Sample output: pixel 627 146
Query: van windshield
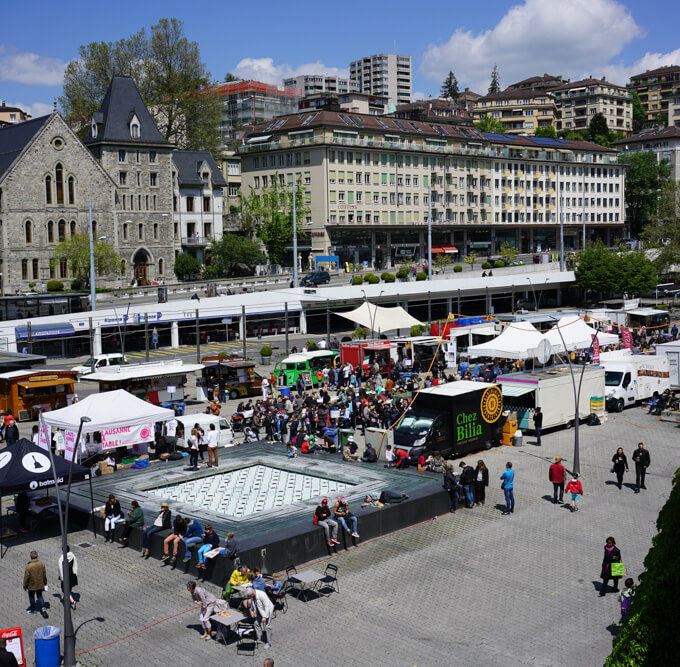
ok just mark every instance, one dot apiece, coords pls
pixel 612 378
pixel 415 424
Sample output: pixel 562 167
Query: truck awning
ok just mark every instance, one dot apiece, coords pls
pixel 516 390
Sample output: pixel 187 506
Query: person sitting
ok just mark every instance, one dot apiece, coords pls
pixel 179 527
pixel 348 451
pixel 230 547
pixel 113 515
pixel 328 444
pixel 292 451
pixel 308 445
pixel 239 577
pixel 275 589
pixel 257 581
pixel 330 526
pixel 370 455
pixel 211 541
pixel 193 535
pixel 163 522
pixel 421 463
pixel 343 515
pixel 436 463
pixel 135 519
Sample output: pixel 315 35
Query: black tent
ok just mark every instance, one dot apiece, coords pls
pixel 27 467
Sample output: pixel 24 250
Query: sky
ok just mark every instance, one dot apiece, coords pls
pixel 272 40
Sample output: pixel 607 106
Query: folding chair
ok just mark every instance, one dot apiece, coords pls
pixel 329 579
pixel 291 570
pixel 247 641
pixel 279 599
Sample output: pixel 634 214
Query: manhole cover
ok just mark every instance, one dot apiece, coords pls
pixel 85 545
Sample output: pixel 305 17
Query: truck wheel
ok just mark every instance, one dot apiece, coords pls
pixel 619 405
pixel 233 394
pixel 487 445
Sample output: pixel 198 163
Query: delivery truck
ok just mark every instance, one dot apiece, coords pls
pixel 551 389
pixel 672 352
pixel 454 418
pixel 633 378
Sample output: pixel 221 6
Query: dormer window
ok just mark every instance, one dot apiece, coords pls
pixel 134 127
pixel 94 129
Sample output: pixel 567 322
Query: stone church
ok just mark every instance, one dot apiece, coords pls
pixel 48 177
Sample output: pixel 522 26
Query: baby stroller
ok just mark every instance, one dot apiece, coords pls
pixel 249 435
pixel 237 422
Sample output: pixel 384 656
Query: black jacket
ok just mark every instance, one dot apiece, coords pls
pixel 485 476
pixel 538 419
pixel 613 556
pixel 641 457
pixel 620 462
pixel 371 455
pixel 7 659
pixel 451 482
pixel 167 519
pixel 467 476
pixel 112 509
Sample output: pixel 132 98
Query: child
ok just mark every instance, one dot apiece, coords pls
pixel 389 457
pixel 292 451
pixel 576 489
pixel 625 596
pixel 276 586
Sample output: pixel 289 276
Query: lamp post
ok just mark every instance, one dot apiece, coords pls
pixel 295 245
pixel 429 233
pixel 93 298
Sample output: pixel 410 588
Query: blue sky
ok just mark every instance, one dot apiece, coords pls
pixel 270 40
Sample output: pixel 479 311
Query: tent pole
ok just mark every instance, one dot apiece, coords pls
pixel 94 529
pixel 2 532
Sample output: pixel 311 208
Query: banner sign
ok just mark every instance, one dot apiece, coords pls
pixel 125 436
pixel 627 337
pixel 15 644
pixel 596 350
pixel 44 436
pixel 69 444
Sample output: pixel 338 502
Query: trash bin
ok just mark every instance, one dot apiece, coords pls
pixel 344 434
pixel 47 648
pixel 517 439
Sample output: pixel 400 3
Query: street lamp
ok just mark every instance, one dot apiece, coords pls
pixel 429 233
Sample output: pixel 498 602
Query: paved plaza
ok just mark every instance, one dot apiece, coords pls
pixel 474 588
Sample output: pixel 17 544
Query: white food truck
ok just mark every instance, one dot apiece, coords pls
pixel 632 378
pixel 672 352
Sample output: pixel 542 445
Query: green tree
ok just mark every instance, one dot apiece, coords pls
pixel 489 124
pixel 450 87
pixel 662 234
pixel 229 251
pixel 470 259
pixel 509 253
pixel 639 113
pixel 597 269
pixel 548 131
pixel 169 73
pixel 645 176
pixel 636 274
pixel 441 261
pixel 76 251
pixel 598 130
pixel 186 266
pixel 495 85
pixel 228 77
pixel 269 213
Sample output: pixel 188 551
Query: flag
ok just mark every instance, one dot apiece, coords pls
pixel 596 350
pixel 627 338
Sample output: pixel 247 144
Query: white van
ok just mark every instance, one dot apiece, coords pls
pixel 101 361
pixel 225 434
pixel 630 378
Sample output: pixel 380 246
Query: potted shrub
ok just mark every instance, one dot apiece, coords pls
pixel 387 277
pixel 265 354
pixel 421 275
pixel 357 280
pixel 486 266
pixel 457 268
pixel 499 264
pixel 403 273
pixel 371 278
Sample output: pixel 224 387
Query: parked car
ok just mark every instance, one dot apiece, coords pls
pixel 101 361
pixel 316 278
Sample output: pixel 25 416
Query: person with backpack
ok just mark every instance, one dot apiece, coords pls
pixel 322 517
pixel 576 489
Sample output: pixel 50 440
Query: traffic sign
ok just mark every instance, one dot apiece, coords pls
pixel 154 336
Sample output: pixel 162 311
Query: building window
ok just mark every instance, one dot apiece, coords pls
pixel 207 230
pixel 73 228
pixel 190 204
pixel 48 189
pixel 28 231
pixel 36 272
pixel 122 178
pixel 50 232
pixel 59 170
pixel 24 269
pixel 63 268
pixel 121 156
pixel 206 204
pixel 161 266
pixel 155 231
pixel 62 230
pixel 125 231
pixel 152 157
pixel 153 179
pixel 174 203
pixel 71 190
pixel 154 202
pixel 134 129
pixel 140 231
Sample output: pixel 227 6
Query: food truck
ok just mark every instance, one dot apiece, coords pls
pixel 672 352
pixel 363 353
pixel 29 392
pixel 454 418
pixel 305 364
pixel 156 381
pixel 552 390
pixel 237 374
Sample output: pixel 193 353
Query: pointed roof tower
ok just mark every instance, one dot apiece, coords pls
pixel 123 118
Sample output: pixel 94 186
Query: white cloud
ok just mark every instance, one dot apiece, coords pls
pixel 29 68
pixel 418 95
pixel 621 72
pixel 264 69
pixel 571 38
pixel 36 109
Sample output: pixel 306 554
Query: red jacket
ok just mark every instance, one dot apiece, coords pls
pixel 574 486
pixel 556 472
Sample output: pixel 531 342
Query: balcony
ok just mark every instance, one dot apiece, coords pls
pixel 195 241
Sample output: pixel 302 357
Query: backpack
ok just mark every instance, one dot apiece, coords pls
pixel 316 519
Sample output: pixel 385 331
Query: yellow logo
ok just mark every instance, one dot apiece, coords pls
pixel 491 404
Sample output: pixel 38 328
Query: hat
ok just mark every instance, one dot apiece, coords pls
pixel 324 501
pixel 350 439
pixel 558 459
pixel 164 505
pixel 34 555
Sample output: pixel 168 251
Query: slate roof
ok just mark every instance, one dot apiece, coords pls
pixel 650 134
pixel 584 83
pixel 15 137
pixel 121 103
pixel 188 163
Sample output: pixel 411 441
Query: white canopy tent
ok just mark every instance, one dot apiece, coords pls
pixel 379 318
pixel 518 341
pixel 111 409
pixel 577 335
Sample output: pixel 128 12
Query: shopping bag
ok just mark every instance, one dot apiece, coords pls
pixel 618 570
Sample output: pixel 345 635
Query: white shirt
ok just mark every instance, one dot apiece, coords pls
pixel 264 604
pixel 211 439
pixel 171 427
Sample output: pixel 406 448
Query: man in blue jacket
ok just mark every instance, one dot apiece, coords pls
pixel 507 484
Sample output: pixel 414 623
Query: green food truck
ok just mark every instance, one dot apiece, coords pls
pixel 305 364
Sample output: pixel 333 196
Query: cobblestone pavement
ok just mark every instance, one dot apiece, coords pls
pixel 473 588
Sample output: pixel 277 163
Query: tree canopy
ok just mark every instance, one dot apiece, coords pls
pixel 548 131
pixel 495 85
pixel 450 87
pixel 663 231
pixel 169 73
pixel 229 251
pixel 76 251
pixel 186 266
pixel 489 124
pixel 639 113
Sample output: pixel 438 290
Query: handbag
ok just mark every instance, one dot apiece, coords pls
pixel 618 570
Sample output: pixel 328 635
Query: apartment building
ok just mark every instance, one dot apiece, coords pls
pixel 312 84
pixel 545 82
pixel 663 141
pixel 520 111
pixel 197 202
pixel 375 105
pixel 10 115
pixel 372 183
pixel 386 74
pixel 434 111
pixel 467 99
pixel 578 101
pixel 674 108
pixel 655 87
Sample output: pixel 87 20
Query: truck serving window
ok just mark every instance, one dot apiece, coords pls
pixel 612 378
pixel 415 424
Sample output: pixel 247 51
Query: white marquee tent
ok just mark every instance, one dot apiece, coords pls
pixel 519 340
pixel 577 335
pixel 379 318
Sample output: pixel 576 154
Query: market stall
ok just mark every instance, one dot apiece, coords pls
pixel 29 392
pixel 380 319
pixel 573 332
pixel 519 340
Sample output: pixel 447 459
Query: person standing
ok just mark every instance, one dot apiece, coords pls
pixel 619 466
pixel 208 603
pixel 481 482
pixel 508 486
pixel 11 432
pixel 642 461
pixel 556 474
pixel 211 441
pixel 35 581
pixel 538 425
pixel 261 609
pixel 265 388
pixel 452 487
pixel 72 572
pixel 467 481
pixel 576 489
pixel 193 449
pixel 612 554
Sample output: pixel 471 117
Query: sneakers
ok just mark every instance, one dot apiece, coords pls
pixel 44 613
pixel 334 541
pixel 267 646
pixel 165 558
pixel 355 534
pixel 31 611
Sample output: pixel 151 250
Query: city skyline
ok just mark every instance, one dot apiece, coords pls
pixel 574 39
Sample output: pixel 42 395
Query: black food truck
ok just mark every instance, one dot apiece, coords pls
pixel 454 418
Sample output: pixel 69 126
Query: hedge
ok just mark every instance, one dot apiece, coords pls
pixel 371 279
pixel 421 275
pixel 457 268
pixel 387 277
pixel 357 280
pixel 499 264
pixel 402 273
pixel 486 265
pixel 55 286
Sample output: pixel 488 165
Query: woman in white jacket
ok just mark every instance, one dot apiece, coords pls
pixel 73 574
